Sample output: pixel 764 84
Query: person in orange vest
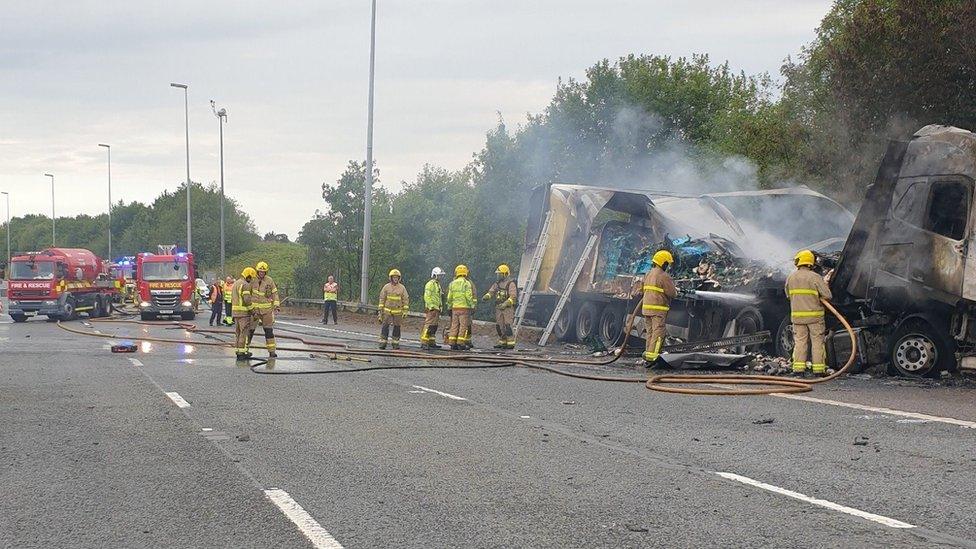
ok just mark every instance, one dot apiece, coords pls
pixel 216 300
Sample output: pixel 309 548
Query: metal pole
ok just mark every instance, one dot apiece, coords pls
pixel 108 149
pixel 54 231
pixel 368 194
pixel 186 110
pixel 7 269
pixel 221 118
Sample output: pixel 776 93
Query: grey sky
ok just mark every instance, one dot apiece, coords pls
pixel 292 75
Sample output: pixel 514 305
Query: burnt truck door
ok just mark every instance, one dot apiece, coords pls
pixel 923 249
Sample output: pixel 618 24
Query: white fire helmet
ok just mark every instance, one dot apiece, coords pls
pixel 436 271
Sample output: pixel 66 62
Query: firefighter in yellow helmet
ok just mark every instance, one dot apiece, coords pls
pixel 503 292
pixel 658 290
pixel 461 300
pixel 264 297
pixel 241 305
pixel 805 288
pixel 393 306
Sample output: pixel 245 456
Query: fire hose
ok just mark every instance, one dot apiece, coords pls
pixel 661 383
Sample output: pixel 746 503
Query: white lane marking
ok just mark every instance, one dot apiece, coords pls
pixel 320 537
pixel 416 392
pixel 888 411
pixel 206 429
pixel 526 417
pixel 436 392
pixel 886 521
pixel 135 362
pixel 178 400
pixel 320 328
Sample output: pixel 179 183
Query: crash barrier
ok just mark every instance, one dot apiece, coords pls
pixel 356 307
pixel 661 383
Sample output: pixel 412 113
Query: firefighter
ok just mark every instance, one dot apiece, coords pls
pixel 658 290
pixel 228 317
pixel 805 288
pixel 265 304
pixel 241 304
pixel 504 292
pixel 433 303
pixel 394 303
pixel 461 300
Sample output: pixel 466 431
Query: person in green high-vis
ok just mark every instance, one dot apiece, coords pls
pixel 330 297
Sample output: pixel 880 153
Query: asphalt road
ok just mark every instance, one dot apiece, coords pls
pixel 179 446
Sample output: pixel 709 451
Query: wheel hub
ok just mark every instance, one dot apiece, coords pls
pixel 914 353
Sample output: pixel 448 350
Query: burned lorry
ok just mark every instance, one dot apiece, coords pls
pixel 906 278
pixel 592 244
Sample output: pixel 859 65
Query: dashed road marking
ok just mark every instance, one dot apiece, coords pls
pixel 888 411
pixel 880 519
pixel 135 362
pixel 320 537
pixel 441 393
pixel 526 417
pixel 178 400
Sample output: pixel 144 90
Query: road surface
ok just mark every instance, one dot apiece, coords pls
pixel 178 445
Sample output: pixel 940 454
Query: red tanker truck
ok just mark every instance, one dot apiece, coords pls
pixel 59 283
pixel 166 284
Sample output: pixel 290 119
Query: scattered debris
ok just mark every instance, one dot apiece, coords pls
pixel 860 441
pixel 569 402
pixel 764 421
pixel 243 437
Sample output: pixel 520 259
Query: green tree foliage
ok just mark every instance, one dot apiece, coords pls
pixel 282 257
pixel 137 227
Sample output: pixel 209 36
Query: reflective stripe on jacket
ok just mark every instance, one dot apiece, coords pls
pixel 504 292
pixel 804 289
pixel 658 290
pixel 240 302
pixel 394 299
pixel 227 291
pixel 433 297
pixel 265 294
pixel 460 294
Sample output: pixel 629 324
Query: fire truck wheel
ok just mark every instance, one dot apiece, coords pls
pixel 917 350
pixel 19 318
pixel 188 316
pixel 147 316
pixel 97 310
pixel 69 310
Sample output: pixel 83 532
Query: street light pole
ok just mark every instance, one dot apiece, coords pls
pixel 54 231
pixel 8 231
pixel 108 149
pixel 221 118
pixel 186 110
pixel 368 194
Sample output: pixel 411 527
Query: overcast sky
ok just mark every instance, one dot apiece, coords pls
pixel 293 77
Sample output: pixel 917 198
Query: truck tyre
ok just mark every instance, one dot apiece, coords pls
pixel 19 318
pixel 586 320
pixel 749 321
pixel 97 310
pixel 188 316
pixel 69 310
pixel 918 349
pixel 784 338
pixel 565 328
pixel 147 316
pixel 610 328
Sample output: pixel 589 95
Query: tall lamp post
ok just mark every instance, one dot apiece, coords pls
pixel 221 115
pixel 6 194
pixel 186 111
pixel 108 149
pixel 54 231
pixel 368 193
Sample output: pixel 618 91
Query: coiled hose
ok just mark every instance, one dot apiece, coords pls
pixel 476 360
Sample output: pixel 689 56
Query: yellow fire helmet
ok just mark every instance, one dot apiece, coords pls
pixel 249 272
pixel 461 270
pixel 503 270
pixel 804 257
pixel 662 257
pixel 395 272
pixel 262 266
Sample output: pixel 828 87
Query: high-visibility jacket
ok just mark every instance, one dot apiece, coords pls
pixel 241 298
pixel 433 295
pixel 394 299
pixel 330 292
pixel 227 291
pixel 460 294
pixel 659 290
pixel 265 294
pixel 504 292
pixel 216 293
pixel 805 288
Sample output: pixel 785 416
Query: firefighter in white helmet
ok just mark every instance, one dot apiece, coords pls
pixel 805 288
pixel 433 304
pixel 658 290
pixel 393 306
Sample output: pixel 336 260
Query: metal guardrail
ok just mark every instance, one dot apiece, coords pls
pixel 356 307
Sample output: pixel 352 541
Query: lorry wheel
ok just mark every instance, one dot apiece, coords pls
pixel 748 321
pixel 147 316
pixel 565 328
pixel 19 318
pixel 611 326
pixel 188 316
pixel 586 320
pixel 784 338
pixel 919 350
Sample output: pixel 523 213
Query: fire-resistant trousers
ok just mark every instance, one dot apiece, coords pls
pixel 809 337
pixel 431 319
pixel 656 331
pixel 394 321
pixel 265 318
pixel 460 333
pixel 504 318
pixel 242 334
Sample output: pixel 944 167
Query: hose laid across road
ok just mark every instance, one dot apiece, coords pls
pixel 661 383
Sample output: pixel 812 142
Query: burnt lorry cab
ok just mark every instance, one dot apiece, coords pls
pixel 166 284
pixel 907 274
pixel 59 283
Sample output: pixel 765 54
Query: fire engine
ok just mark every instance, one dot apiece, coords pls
pixel 166 284
pixel 59 283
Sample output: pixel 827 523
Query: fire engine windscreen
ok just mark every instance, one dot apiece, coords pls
pixel 32 270
pixel 169 270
